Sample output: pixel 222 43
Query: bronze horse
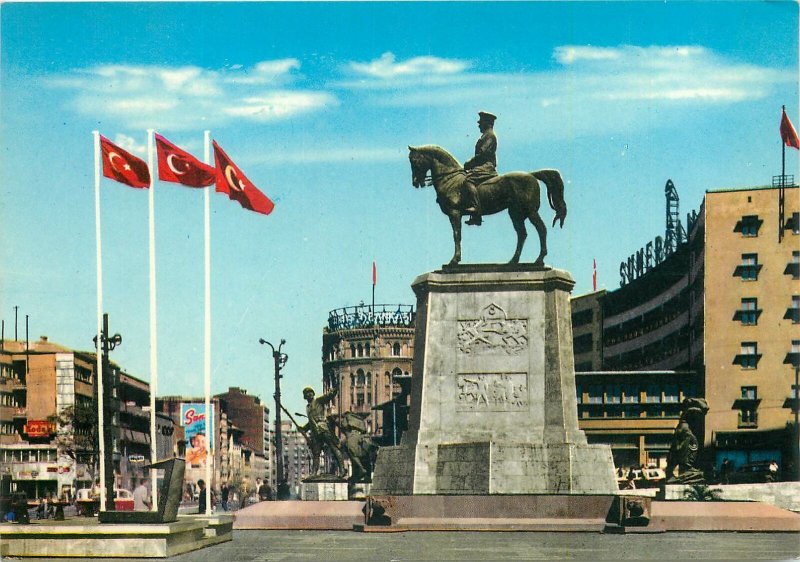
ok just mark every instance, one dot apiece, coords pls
pixel 517 191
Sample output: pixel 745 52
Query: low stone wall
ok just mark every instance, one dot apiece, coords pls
pixel 785 495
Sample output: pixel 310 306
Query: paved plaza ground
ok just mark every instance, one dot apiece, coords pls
pixel 322 546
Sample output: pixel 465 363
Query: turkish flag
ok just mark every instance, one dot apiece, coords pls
pixel 788 134
pixel 122 166
pixel 232 181
pixel 178 166
pixel 374 274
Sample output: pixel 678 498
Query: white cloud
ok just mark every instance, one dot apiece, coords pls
pixel 332 155
pixel 185 97
pixel 387 67
pixel 265 72
pixel 593 89
pixel 130 144
pixel 570 54
pixel 278 105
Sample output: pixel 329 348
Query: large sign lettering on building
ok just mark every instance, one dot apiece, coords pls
pixel 650 256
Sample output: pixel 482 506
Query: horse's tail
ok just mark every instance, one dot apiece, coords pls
pixel 555 192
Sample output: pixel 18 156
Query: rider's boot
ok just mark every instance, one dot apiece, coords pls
pixel 473 205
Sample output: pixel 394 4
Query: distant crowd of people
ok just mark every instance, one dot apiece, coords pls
pixel 229 497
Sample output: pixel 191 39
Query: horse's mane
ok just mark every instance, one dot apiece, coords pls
pixel 439 154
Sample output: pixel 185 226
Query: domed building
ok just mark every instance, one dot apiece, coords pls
pixel 369 349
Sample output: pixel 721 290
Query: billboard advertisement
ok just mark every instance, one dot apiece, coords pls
pixel 197 432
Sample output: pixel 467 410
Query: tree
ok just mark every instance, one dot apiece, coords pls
pixel 77 435
pixel 701 493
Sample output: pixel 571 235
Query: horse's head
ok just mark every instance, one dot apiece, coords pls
pixel 420 165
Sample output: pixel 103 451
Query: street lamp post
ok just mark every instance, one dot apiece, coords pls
pixel 279 359
pixel 107 381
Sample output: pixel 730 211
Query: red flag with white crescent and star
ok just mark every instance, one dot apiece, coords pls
pixel 231 180
pixel 122 166
pixel 178 166
pixel 788 133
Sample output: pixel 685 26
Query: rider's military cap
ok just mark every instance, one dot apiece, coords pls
pixel 485 115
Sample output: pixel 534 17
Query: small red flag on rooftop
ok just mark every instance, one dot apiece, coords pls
pixel 788 133
pixel 594 274
pixel 122 166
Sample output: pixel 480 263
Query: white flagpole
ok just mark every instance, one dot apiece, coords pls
pixel 153 322
pixel 99 370
pixel 207 339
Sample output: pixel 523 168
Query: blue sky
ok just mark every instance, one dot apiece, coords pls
pixel 317 102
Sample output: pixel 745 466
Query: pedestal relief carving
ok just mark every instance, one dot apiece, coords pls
pixel 493 334
pixel 495 392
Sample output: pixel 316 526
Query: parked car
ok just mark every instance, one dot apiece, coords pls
pixel 652 477
pixel 123 501
pixel 754 472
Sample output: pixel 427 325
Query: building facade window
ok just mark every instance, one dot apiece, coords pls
pixel 613 394
pixel 793 223
pixel 793 312
pixel 749 392
pixel 748 313
pixel 653 394
pixel 748 356
pixel 748 225
pixel 671 394
pixel 595 394
pixel 793 267
pixel 793 357
pixel 396 349
pixel 749 268
pixel 748 417
pixel 631 394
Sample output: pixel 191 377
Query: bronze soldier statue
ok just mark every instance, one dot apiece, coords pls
pixel 685 448
pixel 481 167
pixel 319 433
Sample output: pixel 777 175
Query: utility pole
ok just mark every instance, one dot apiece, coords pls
pixel 279 360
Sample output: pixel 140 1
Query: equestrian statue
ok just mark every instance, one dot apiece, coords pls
pixel 518 192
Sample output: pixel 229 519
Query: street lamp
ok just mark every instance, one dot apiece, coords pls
pixel 108 383
pixel 279 360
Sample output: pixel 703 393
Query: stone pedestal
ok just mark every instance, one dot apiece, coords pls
pixel 493 406
pixel 323 491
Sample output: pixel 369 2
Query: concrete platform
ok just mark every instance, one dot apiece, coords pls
pixel 87 538
pixel 320 515
pixel 723 516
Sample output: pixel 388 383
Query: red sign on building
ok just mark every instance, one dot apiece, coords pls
pixel 39 428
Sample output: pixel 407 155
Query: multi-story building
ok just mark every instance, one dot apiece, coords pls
pixel 296 459
pixel 716 318
pixel 246 412
pixel 752 310
pixel 48 419
pixel 365 348
pixel 38 382
pixel 587 331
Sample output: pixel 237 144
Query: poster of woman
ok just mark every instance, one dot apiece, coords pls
pixel 193 419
